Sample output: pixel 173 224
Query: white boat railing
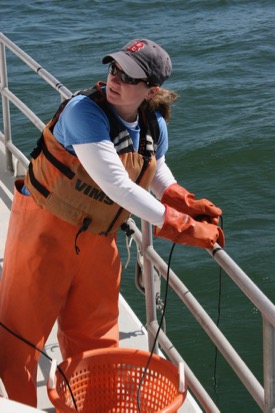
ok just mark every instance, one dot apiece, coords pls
pixel 264 395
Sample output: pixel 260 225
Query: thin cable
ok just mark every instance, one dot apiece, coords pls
pixel 44 354
pixel 159 328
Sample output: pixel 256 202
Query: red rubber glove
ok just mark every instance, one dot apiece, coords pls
pixel 182 229
pixel 180 199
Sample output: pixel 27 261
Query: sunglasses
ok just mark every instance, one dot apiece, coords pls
pixel 114 70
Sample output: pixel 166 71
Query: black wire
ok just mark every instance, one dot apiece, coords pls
pixel 44 354
pixel 159 328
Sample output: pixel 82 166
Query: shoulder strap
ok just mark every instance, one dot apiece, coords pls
pixel 98 96
pixel 153 125
pixel 149 132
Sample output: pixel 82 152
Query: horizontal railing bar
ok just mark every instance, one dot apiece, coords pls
pixel 15 151
pixel 23 108
pixel 255 295
pixel 18 154
pixel 36 67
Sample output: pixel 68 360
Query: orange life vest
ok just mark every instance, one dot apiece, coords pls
pixel 59 183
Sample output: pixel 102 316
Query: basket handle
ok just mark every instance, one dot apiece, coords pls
pixel 181 377
pixel 51 382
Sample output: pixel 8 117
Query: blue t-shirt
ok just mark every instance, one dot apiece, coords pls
pixel 83 121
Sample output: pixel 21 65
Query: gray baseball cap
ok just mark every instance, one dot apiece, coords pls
pixel 143 59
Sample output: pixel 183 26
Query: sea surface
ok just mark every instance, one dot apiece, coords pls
pixel 222 143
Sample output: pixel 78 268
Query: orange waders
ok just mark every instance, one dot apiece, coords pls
pixel 43 280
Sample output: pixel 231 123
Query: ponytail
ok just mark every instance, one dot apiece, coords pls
pixel 161 102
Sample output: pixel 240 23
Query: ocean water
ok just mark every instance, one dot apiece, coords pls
pixel 222 144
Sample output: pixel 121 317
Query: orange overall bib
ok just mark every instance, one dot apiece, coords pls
pixel 44 279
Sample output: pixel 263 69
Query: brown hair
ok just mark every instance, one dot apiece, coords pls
pixel 161 102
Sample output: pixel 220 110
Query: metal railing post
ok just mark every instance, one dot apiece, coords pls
pixel 150 299
pixel 269 366
pixel 5 107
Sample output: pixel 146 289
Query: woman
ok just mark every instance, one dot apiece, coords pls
pixel 92 167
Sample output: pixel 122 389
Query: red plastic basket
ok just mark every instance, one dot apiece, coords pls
pixel 107 380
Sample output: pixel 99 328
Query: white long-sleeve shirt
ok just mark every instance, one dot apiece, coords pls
pixel 105 167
